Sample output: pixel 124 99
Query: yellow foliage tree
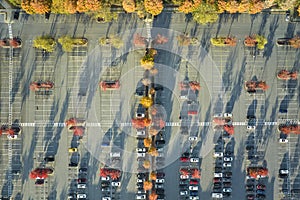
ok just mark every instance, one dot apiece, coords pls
pixel 40 6
pixel 298 10
pixel 146 164
pixel 153 151
pixel 153 131
pixel 26 6
pixel 256 6
pixel 146 102
pixel 147 142
pixel 205 13
pixel 70 6
pixel 45 43
pixel 129 5
pixel 154 7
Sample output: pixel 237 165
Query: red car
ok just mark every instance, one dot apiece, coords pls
pixel 184 159
pixel 81 180
pixel 217 180
pixel 193 182
pixel 261 187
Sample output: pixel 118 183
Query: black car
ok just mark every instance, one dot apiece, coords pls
pixel 39 181
pixel 261 196
pixel 218 169
pixel 49 159
pixel 160 175
pixel 250 186
pixel 140 186
pixel 141 175
pixel 72 164
pixel 83 170
pixel 160 191
pixel 227 174
pixel 226 194
pixel 105 184
pixel 217 185
pixel 227 184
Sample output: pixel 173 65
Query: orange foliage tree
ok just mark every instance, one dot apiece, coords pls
pixel 287 129
pixel 256 172
pixel 153 7
pixel 147 142
pixel 146 164
pixel 93 5
pixel 139 41
pixel 153 176
pixel 160 39
pixel 184 171
pixel 40 6
pixel 153 131
pixel 153 196
pixel 298 10
pixel 141 123
pixel 195 173
pixel 147 185
pixel 256 6
pixel 129 5
pixel 295 42
pixel 229 129
pixel 81 6
pixel 26 6
pixel 186 7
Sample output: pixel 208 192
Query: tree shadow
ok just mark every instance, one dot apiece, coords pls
pixel 253 17
pixel 269 46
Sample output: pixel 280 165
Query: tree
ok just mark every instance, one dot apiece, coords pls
pixel 262 85
pixel 70 6
pixel 15 42
pixel 147 62
pixel 250 41
pixel 66 43
pixel 229 129
pixel 105 15
pixel 205 13
pixel 129 5
pixel 183 40
pixel 153 176
pixel 295 42
pixel 186 7
pixel 184 171
pixel 141 123
pixel 160 39
pixel 147 142
pixel 153 131
pixel 153 196
pixel 261 41
pixel 78 130
pixel 93 5
pixel 298 10
pixel 153 151
pixel 153 71
pixel 256 6
pixel 146 102
pixel 287 5
pixel 195 173
pixel 232 6
pixel 27 7
pixel 44 42
pixel 40 6
pixel 154 7
pixel 112 40
pixel 147 185
pixel 139 41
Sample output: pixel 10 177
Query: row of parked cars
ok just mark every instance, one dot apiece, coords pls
pixel 81 183
pixel 109 188
pixel 255 189
pixel 222 182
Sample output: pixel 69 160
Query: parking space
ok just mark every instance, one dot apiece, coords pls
pixel 10 99
pixel 44 100
pixel 288 111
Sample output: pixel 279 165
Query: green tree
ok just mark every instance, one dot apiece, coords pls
pixel 205 13
pixel 112 40
pixel 46 43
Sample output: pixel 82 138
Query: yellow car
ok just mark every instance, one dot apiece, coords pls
pixel 71 150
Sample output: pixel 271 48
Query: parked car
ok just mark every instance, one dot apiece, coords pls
pixel 81 185
pixel 82 170
pixel 160 185
pixel 115 183
pixel 260 196
pixel 194 182
pixel 194 160
pixel 141 150
pixel 160 180
pixel 160 175
pixel 227 190
pixel 183 177
pixel 227 174
pixel 105 184
pixel 141 175
pixel 228 115
pixel 193 138
pixel 140 196
pixel 227 184
pixel 183 192
pixel 184 159
pixel 72 150
pixel 192 187
pixel 141 154
pixel 81 196
pixel 260 191
pixel 218 154
pixel 282 140
pixel 283 173
pixel 217 195
pixel 228 159
pixel 261 187
pixel 218 175
pixel 217 180
pixel 160 191
pixel 227 164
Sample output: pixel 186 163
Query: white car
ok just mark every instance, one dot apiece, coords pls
pixel 138 196
pixel 139 115
pixel 194 198
pixel 160 180
pixel 115 154
pixel 193 138
pixel 227 190
pixel 106 198
pixel 141 192
pixel 183 193
pixel 81 185
pixel 282 140
pixel 227 115
pixel 184 176
pixel 194 160
pixel 218 115
pixel 105 178
pixel 141 154
pixel 140 132
pixel 228 159
pixel 250 127
pixel 81 196
pixel 218 175
pixel 217 195
pixel 115 184
pixel 226 164
pixel 160 149
pixel 284 171
pixel 193 188
pixel 218 154
pixel 161 154
pixel 12 137
pixel 139 180
pixel 141 150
